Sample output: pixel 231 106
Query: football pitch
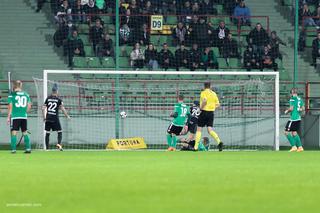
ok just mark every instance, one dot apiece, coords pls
pixel 152 181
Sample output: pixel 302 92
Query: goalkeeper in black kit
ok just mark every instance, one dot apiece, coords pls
pixel 50 110
pixel 191 127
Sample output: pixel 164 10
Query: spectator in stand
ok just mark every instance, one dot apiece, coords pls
pixel 242 14
pixel 79 10
pixel 207 8
pixel 258 38
pixel 63 33
pixel 182 57
pixel 179 34
pixel 316 15
pixel 185 12
pixel 142 35
pixel 204 33
pixel 166 58
pixel 151 57
pixel 147 11
pixel 251 59
pixel 267 61
pixel 40 5
pixel 74 47
pixel 135 15
pixel 195 57
pixel 63 13
pixel 230 48
pixel 209 59
pixel 315 50
pixel 274 43
pixel 195 8
pixel 305 16
pixel 137 57
pixel 125 35
pixel 105 47
pixel 229 6
pixel 220 35
pixel 91 10
pixel 96 34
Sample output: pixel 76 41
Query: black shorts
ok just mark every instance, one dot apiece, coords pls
pixel 188 146
pixel 206 118
pixel 192 127
pixel 292 126
pixel 172 129
pixel 53 125
pixel 17 124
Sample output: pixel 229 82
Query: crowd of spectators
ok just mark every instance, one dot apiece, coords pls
pixel 193 37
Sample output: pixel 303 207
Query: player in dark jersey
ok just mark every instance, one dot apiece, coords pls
pixel 50 109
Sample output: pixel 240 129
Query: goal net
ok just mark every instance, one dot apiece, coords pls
pixel 247 119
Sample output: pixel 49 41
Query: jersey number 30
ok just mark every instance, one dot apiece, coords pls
pixel 21 101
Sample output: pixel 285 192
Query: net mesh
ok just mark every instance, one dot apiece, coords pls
pixel 245 119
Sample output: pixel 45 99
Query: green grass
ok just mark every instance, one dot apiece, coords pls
pixel 160 182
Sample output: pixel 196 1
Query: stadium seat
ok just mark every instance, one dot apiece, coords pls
pixel 83 28
pixel 309 41
pixel 284 75
pixel 88 50
pixel 110 28
pixel 216 51
pixel 219 8
pixel 108 62
pixel 106 19
pixel 94 62
pixel 171 20
pixel 85 39
pixel 222 63
pixel 124 62
pixel 80 62
pixel 233 62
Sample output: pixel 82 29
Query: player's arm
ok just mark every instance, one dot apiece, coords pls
pixel 9 113
pixel 203 103
pixel 64 111
pixel 175 113
pixel 290 107
pixel 217 101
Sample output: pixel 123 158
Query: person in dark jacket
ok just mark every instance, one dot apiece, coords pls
pixel 267 61
pixel 96 34
pixel 182 57
pixel 220 35
pixel 315 49
pixel 105 47
pixel 166 57
pixel 195 57
pixel 202 33
pixel 209 59
pixel 141 35
pixel 274 43
pixel 74 47
pixel 151 57
pixel 63 33
pixel 251 59
pixel 258 38
pixel 230 47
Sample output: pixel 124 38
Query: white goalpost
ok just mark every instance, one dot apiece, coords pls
pixel 247 119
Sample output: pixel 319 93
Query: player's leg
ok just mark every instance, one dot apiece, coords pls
pixel 14 129
pixel 295 135
pixel 58 128
pixel 47 129
pixel 174 142
pixel 169 136
pixel 289 136
pixel 26 139
pixel 201 123
pixel 212 133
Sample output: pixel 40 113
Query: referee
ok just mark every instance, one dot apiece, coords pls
pixel 209 101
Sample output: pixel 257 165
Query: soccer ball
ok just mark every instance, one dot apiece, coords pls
pixel 123 114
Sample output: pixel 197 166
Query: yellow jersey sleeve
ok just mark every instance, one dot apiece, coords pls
pixel 211 98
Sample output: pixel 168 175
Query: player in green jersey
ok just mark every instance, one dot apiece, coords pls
pixel 188 145
pixel 19 104
pixel 293 125
pixel 180 116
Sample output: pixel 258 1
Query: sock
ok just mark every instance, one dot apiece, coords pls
pixel 297 140
pixel 198 138
pixel 215 136
pixel 27 142
pixel 13 142
pixel 174 141
pixel 59 137
pixel 169 140
pixel 47 140
pixel 291 140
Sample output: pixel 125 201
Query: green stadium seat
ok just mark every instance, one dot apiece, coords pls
pixel 83 28
pixel 85 39
pixel 172 20
pixel 106 19
pixel 222 63
pixel 284 75
pixel 124 62
pixel 80 62
pixel 216 51
pixel 219 8
pixel 88 50
pixel 287 2
pixel 111 29
pixel 94 62
pixel 233 62
pixel 108 62
pixel 309 41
